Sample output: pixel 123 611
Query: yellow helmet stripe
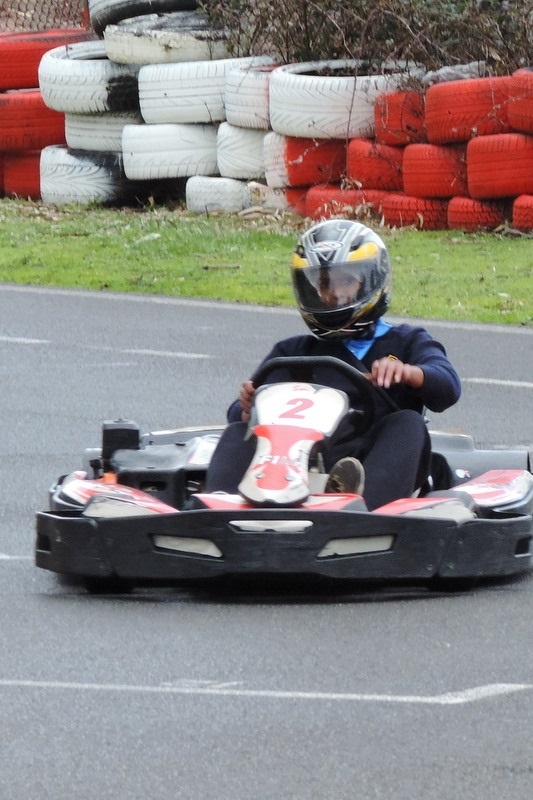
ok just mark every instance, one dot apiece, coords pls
pixel 367 250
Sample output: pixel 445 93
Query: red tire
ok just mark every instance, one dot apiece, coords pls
pixel 295 161
pixel 456 111
pixel 20 54
pixel 26 123
pixel 523 212
pixel 22 175
pixel 374 166
pixel 465 214
pixel 399 118
pixel 432 170
pixel 521 100
pixel 2 156
pixel 296 199
pixel 401 210
pixel 500 166
pixel 324 201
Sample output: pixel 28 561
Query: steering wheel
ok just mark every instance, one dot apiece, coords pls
pixel 301 368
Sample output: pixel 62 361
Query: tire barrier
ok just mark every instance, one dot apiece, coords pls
pixel 21 53
pixel 240 152
pixel 69 176
pixel 80 79
pixel 399 118
pixel 500 166
pixel 325 99
pixel 523 212
pixel 155 152
pixel 158 100
pixel 204 194
pixel 190 91
pixel 298 161
pixel 466 214
pixel 371 165
pixel 457 111
pixel 107 12
pixel 247 96
pixel 521 100
pixel 100 132
pixel 26 123
pixel 162 39
pixel 433 171
pixel 22 174
pixel 324 201
pixel 400 210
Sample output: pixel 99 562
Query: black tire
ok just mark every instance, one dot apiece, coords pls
pixel 107 12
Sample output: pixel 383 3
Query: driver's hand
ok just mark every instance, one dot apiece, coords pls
pixel 245 399
pixel 388 371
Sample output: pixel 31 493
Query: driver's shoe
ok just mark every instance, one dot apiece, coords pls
pixel 347 476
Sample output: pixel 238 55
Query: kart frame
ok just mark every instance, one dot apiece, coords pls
pixel 152 521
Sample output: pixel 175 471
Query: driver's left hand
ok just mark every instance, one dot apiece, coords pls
pixel 390 370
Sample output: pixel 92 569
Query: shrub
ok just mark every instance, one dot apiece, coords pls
pixel 433 33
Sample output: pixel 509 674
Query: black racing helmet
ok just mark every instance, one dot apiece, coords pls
pixel 341 275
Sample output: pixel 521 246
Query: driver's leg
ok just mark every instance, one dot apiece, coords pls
pixel 396 459
pixel 232 456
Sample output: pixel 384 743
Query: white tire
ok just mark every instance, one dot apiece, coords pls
pixel 240 152
pixel 153 152
pixel 276 172
pixel 308 100
pixel 247 96
pixel 100 132
pixel 106 12
pixel 190 91
pixel 79 79
pixel 74 177
pixel 153 39
pixel 268 198
pixel 207 194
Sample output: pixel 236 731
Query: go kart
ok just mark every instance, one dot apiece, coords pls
pixel 137 511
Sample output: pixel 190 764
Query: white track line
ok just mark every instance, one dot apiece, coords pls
pixel 23 340
pixel 217 690
pixel 498 382
pixel 5 557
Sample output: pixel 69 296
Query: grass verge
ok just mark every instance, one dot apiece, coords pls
pixel 483 277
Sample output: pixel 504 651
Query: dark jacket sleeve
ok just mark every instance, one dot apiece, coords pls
pixel 414 345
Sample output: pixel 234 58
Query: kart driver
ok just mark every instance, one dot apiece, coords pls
pixel 341 276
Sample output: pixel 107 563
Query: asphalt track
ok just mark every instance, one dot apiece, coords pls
pixel 257 693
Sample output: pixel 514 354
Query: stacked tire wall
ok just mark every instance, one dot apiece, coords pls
pixel 27 124
pixel 153 102
pixel 457 155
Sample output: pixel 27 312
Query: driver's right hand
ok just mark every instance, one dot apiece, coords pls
pixel 246 397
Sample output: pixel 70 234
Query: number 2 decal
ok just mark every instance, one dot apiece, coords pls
pixel 300 404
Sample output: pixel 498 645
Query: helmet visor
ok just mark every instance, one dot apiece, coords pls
pixel 333 287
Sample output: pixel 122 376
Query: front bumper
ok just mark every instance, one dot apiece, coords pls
pixel 201 544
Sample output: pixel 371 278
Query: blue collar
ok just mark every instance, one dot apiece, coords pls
pixel 360 347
